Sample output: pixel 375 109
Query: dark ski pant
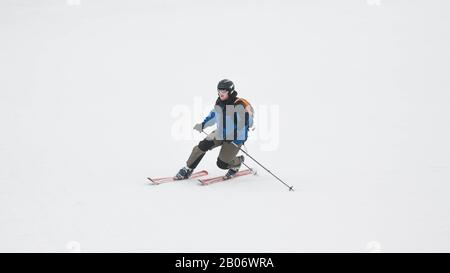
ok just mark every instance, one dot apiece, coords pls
pixel 227 157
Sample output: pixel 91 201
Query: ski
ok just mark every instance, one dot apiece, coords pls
pixel 209 181
pixel 157 181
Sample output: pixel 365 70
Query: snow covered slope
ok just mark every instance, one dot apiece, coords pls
pixel 352 101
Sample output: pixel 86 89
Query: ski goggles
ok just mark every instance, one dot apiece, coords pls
pixel 222 91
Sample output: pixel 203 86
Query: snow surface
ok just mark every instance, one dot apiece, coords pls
pixel 89 92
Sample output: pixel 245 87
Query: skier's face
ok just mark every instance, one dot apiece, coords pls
pixel 223 94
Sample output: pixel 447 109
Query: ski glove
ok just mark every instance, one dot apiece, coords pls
pixel 198 127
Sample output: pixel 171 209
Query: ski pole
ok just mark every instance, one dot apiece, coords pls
pixel 291 188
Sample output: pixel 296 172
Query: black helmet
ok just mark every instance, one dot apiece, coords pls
pixel 226 85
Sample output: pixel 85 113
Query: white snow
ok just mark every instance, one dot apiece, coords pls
pixel 87 97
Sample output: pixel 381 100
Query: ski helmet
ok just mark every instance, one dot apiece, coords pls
pixel 226 85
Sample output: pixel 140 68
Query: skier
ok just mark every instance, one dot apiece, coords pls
pixel 234 117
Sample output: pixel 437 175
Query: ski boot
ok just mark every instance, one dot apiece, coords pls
pixel 184 173
pixel 232 171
